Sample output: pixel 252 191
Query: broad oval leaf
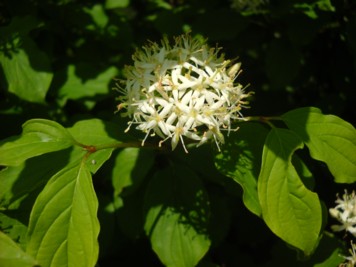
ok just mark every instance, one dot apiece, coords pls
pixel 240 159
pixel 329 139
pixel 64 228
pixel 39 136
pixel 11 255
pixel 177 217
pixel 289 209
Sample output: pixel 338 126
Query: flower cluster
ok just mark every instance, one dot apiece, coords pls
pixel 345 213
pixel 351 260
pixel 182 90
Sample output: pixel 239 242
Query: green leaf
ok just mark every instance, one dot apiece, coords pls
pixel 111 4
pixel 328 252
pixel 177 217
pixel 240 159
pixel 335 259
pixel 329 139
pixel 76 88
pixel 12 226
pixel 28 78
pixel 20 185
pixel 131 167
pixel 9 196
pixel 303 172
pixel 325 5
pixel 312 9
pixel 64 228
pixel 11 255
pixel 39 136
pixel 307 9
pixel 289 209
pixel 95 132
pixel 98 16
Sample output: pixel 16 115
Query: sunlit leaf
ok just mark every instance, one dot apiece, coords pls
pixel 111 4
pixel 98 16
pixel 11 225
pixel 312 9
pixel 76 87
pixel 39 136
pixel 64 228
pixel 95 132
pixel 11 255
pixel 240 159
pixel 177 217
pixel 329 139
pixel 289 209
pixel 27 69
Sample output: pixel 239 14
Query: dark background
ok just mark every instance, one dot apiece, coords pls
pixel 293 54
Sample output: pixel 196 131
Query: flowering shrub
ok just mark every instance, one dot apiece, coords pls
pixel 81 185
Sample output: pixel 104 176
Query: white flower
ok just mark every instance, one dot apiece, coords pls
pixel 182 90
pixel 345 213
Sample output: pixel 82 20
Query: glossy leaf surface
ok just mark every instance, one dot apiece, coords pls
pixel 329 139
pixel 289 209
pixel 39 136
pixel 63 227
pixel 11 255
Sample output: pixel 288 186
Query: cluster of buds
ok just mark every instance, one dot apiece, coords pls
pixel 182 90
